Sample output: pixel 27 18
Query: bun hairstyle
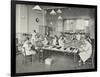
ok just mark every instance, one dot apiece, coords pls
pixel 27 38
pixel 34 31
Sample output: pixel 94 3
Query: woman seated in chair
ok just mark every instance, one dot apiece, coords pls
pixel 27 48
pixel 55 41
pixel 85 51
pixel 45 42
pixel 78 36
pixel 61 42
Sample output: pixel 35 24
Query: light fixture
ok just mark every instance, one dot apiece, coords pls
pixel 37 7
pixel 59 17
pixel 53 12
pixel 59 11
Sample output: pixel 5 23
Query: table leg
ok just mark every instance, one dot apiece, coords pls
pixel 42 56
pixel 32 58
pixel 74 57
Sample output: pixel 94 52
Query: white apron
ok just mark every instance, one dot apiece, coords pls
pixel 33 36
pixel 45 42
pixel 78 37
pixel 87 51
pixel 28 49
pixel 61 43
pixel 54 41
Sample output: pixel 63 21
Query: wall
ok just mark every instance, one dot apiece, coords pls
pixel 21 19
pixel 72 13
pixel 33 14
pixel 26 19
pixel 92 23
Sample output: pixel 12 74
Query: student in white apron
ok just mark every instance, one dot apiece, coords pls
pixel 61 42
pixel 45 41
pixel 85 51
pixel 33 36
pixel 27 48
pixel 55 41
pixel 78 36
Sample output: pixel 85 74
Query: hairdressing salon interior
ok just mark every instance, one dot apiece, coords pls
pixel 54 38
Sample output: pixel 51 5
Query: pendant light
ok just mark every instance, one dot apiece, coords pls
pixel 53 12
pixel 37 7
pixel 59 11
pixel 59 17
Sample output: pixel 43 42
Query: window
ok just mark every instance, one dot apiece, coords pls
pixel 75 24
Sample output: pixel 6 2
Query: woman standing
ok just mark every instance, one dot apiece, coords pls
pixel 33 36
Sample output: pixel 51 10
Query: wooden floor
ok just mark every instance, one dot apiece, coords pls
pixel 60 62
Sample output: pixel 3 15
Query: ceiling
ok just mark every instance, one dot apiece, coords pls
pixel 50 7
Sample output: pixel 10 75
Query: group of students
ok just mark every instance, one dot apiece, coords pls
pixel 30 45
pixel 46 40
pixel 85 49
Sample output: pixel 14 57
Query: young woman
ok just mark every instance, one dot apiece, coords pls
pixel 45 41
pixel 78 36
pixel 54 43
pixel 85 51
pixel 27 48
pixel 34 34
pixel 61 42
pixel 33 38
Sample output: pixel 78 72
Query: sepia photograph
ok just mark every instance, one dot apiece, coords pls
pixel 53 37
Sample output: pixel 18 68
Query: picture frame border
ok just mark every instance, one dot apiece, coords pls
pixel 13 38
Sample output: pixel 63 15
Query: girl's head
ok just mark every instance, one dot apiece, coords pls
pixel 27 39
pixel 34 31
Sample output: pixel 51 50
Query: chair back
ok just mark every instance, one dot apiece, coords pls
pixel 24 52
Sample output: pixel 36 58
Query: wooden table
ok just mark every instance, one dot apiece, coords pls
pixel 48 50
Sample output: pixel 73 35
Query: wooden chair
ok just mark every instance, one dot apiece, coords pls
pixel 26 57
pixel 17 51
pixel 17 48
